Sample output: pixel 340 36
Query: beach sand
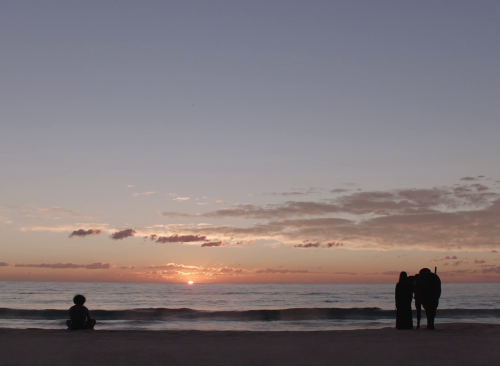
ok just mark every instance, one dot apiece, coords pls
pixel 449 344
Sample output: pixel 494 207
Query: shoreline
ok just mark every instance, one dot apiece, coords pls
pixel 450 344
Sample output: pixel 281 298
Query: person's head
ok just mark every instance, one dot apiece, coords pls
pixel 403 277
pixel 425 270
pixel 79 300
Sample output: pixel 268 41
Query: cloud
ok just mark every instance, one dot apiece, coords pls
pixel 46 212
pixel 202 203
pixel 285 193
pixel 97 265
pixel 480 261
pixel 307 245
pixel 333 244
pixel 172 270
pixel 494 251
pixel 143 193
pixel 444 259
pixel 83 233
pixel 468 178
pixel 317 245
pixel 462 216
pixel 221 201
pixel 338 190
pixel 213 244
pixel 281 271
pixel 66 228
pixel 378 203
pixel 130 186
pixel 4 264
pixel 180 238
pixel 181 199
pixel 119 235
pixel 126 267
pixel 491 270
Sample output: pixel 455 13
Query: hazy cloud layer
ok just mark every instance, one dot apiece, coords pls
pixel 119 235
pixel 46 213
pixel 97 265
pixel 83 233
pixel 380 203
pixel 4 264
pixel 173 270
pixel 463 216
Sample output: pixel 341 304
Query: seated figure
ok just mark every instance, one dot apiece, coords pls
pixel 79 315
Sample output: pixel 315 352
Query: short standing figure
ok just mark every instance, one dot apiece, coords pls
pixel 79 315
pixel 404 295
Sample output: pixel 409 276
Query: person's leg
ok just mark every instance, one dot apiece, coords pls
pixel 91 324
pixel 418 306
pixel 432 316
pixel 68 323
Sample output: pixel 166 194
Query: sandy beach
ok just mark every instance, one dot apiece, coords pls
pixel 450 344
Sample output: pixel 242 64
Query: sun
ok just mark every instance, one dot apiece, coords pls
pixel 190 282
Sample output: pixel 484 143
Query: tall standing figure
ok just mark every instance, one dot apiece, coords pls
pixel 428 290
pixel 404 295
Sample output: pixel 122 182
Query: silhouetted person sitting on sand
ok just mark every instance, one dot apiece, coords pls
pixel 79 315
pixel 404 295
pixel 428 291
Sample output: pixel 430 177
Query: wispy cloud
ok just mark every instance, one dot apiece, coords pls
pixel 180 238
pixel 463 216
pixel 130 186
pixel 97 265
pixel 444 259
pixel 119 235
pixel 221 201
pixel 281 271
pixel 44 213
pixel 181 199
pixel 4 264
pixel 66 228
pixel 213 244
pixel 82 233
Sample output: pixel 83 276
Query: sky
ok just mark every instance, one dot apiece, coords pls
pixel 249 141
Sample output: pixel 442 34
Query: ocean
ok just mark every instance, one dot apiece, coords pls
pixel 255 307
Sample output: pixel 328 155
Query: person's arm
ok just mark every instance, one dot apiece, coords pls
pixel 88 315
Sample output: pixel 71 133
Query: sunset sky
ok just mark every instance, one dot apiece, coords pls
pixel 249 141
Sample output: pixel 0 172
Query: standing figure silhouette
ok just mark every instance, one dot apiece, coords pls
pixel 428 292
pixel 404 295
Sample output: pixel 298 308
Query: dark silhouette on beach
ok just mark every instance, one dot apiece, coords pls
pixel 418 300
pixel 404 295
pixel 79 315
pixel 427 294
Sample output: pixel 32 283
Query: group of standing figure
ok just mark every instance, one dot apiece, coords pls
pixel 425 288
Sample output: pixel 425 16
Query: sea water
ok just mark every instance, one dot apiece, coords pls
pixel 261 307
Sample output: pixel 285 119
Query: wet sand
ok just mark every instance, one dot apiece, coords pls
pixel 449 344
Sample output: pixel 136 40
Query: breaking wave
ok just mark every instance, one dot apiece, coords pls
pixel 294 314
